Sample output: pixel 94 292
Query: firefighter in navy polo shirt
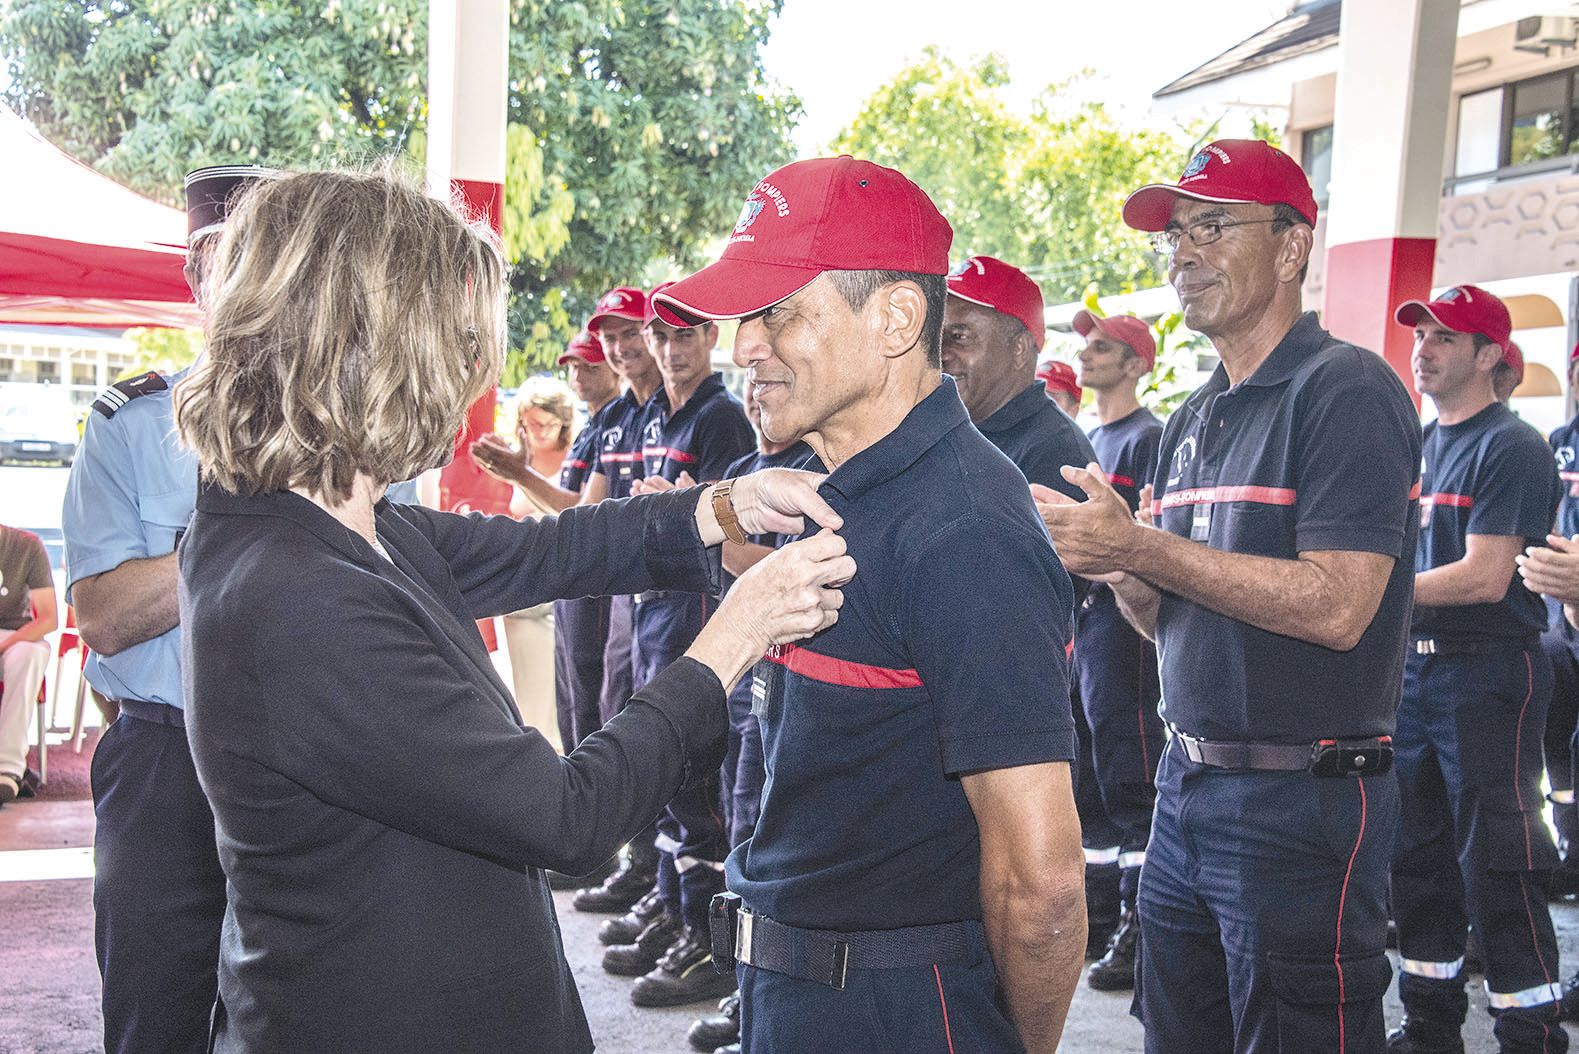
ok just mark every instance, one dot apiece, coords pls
pixel 1561 644
pixel 694 428
pixel 580 626
pixel 616 322
pixel 1062 387
pixel 993 329
pixel 1116 667
pixel 1552 571
pixel 914 880
pixel 1277 586
pixel 1472 848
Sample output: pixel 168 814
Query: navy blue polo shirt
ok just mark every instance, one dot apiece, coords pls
pixel 1565 446
pixel 619 447
pixel 1319 449
pixel 1040 439
pixel 703 437
pixel 1489 475
pixel 1127 451
pixel 583 453
pixel 948 658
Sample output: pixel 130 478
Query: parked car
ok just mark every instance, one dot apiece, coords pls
pixel 37 425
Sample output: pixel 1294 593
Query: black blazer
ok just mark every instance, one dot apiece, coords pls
pixel 381 812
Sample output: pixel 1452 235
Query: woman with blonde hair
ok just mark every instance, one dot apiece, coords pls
pixel 382 816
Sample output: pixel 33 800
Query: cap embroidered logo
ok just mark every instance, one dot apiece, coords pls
pixel 1197 163
pixel 1453 294
pixel 749 214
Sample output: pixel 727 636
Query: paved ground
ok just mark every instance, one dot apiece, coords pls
pixel 50 996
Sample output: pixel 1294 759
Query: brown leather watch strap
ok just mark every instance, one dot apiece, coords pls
pixel 724 512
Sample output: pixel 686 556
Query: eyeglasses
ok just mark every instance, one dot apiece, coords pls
pixel 1166 243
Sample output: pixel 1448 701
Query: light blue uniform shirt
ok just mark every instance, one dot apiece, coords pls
pixel 131 492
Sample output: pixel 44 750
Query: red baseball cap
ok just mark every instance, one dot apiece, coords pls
pixel 1059 377
pixel 621 302
pixel 1232 171
pixel 1003 287
pixel 1574 354
pixel 583 346
pixel 1463 309
pixel 1126 329
pixel 1513 357
pixel 650 313
pixel 826 214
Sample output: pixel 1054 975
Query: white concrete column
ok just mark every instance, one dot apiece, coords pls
pixel 1389 136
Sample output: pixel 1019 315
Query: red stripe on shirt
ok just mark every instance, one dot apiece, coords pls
pixel 671 453
pixel 1119 481
pixel 1213 495
pixel 575 462
pixel 842 672
pixel 619 457
pixel 1457 501
pixel 1569 477
pixel 1414 491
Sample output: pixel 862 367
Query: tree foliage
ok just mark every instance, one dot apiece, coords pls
pixel 636 126
pixel 1043 192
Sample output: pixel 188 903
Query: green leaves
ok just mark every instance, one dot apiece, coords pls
pixel 1042 192
pixel 636 126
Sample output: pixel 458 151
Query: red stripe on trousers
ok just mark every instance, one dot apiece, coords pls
pixel 1343 896
pixel 947 1033
pixel 842 672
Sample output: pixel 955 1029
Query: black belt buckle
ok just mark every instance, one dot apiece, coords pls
pixel 723 916
pixel 1364 757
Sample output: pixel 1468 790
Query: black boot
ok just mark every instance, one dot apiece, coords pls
pixel 1418 1035
pixel 560 880
pixel 617 892
pixel 1103 912
pixel 642 954
pixel 722 1028
pixel 685 974
pixel 626 928
pixel 1115 971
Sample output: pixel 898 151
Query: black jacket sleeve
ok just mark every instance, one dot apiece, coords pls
pixel 611 548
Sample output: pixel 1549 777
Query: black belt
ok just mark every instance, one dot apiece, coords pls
pixel 157 713
pixel 1438 646
pixel 827 956
pixel 1324 757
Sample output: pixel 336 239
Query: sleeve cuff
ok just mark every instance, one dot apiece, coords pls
pixel 1006 750
pixel 691 698
pixel 672 547
pixel 80 565
pixel 1388 541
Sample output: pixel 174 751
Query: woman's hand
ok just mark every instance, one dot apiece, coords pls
pixel 773 501
pixel 499 459
pixel 792 594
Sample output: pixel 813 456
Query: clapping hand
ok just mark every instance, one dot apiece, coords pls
pixel 499 459
pixel 1092 536
pixel 657 484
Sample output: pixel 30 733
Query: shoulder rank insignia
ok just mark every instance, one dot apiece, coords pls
pixel 118 395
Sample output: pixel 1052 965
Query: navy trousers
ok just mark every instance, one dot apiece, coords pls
pixel 581 630
pixel 618 687
pixel 915 1010
pixel 744 768
pixel 1119 691
pixel 1472 847
pixel 1263 912
pixel 692 837
pixel 158 891
pixel 1561 645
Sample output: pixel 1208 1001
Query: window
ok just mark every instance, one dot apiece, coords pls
pixel 48 371
pixel 1479 133
pixel 1539 127
pixel 1316 154
pixel 85 375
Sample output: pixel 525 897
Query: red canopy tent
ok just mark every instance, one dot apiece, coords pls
pixel 77 248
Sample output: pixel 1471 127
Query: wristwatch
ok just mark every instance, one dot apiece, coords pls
pixel 724 512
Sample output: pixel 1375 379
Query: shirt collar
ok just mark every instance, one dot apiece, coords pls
pixel 923 428
pixel 1298 344
pixel 1017 410
pixel 704 391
